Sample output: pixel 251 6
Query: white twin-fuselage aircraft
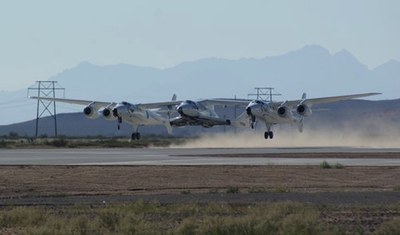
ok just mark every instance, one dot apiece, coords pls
pixel 202 112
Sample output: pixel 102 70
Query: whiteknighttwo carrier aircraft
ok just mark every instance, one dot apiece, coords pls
pixel 293 112
pixel 202 112
pixel 133 114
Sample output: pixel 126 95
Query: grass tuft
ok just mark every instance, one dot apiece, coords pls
pixel 213 191
pixel 338 166
pixel 396 189
pixel 325 165
pixel 257 190
pixel 185 192
pixel 232 189
pixel 282 190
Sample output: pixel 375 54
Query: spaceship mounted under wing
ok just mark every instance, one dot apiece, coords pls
pixel 202 113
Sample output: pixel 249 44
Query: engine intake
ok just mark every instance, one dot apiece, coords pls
pixel 107 114
pixel 90 112
pixel 87 111
pixel 303 110
pixel 284 112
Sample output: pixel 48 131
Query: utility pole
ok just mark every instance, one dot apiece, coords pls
pixel 264 93
pixel 235 114
pixel 45 89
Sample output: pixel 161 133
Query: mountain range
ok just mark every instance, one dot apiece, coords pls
pixel 312 69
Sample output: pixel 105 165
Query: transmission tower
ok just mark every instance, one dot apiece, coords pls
pixel 264 93
pixel 46 89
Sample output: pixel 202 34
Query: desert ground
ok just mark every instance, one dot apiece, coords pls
pixel 39 181
pixel 356 199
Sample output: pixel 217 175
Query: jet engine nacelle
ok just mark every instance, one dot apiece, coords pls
pixel 90 111
pixel 284 112
pixel 107 114
pixel 303 110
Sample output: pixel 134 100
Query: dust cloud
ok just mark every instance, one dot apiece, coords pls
pixel 309 138
pixel 372 126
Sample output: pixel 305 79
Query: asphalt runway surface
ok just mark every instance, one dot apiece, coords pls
pixel 200 156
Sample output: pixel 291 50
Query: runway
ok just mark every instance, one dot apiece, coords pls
pixel 200 156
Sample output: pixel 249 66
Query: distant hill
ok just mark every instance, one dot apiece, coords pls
pixel 368 117
pixel 311 69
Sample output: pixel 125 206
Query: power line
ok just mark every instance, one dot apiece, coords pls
pixel 15 106
pixel 17 100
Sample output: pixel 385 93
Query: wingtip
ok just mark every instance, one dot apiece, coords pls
pixel 376 93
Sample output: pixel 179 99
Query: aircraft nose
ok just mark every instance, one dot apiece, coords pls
pixel 180 110
pixel 115 112
pixel 248 111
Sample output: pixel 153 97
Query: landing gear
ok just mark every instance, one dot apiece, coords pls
pixel 135 136
pixel 253 122
pixel 269 134
pixel 119 123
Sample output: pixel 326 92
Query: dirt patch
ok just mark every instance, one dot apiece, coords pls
pixel 363 198
pixel 133 180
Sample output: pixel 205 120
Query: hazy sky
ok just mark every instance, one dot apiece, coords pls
pixel 41 38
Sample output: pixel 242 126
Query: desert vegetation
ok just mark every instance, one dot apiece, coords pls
pixel 12 141
pixel 156 218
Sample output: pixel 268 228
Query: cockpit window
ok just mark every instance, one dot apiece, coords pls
pixel 125 103
pixel 190 102
pixel 258 102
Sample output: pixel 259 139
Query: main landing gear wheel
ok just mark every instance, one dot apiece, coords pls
pixel 135 136
pixel 269 134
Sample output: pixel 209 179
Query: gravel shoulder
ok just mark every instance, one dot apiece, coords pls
pixel 247 184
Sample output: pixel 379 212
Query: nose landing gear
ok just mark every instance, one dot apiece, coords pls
pixel 269 134
pixel 135 136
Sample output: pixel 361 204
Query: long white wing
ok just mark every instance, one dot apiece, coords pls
pixel 292 103
pixel 324 100
pixel 225 102
pixel 100 104
pixel 158 105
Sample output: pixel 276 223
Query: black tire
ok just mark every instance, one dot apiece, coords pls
pixel 266 135
pixel 271 135
pixel 137 135
pixel 133 136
